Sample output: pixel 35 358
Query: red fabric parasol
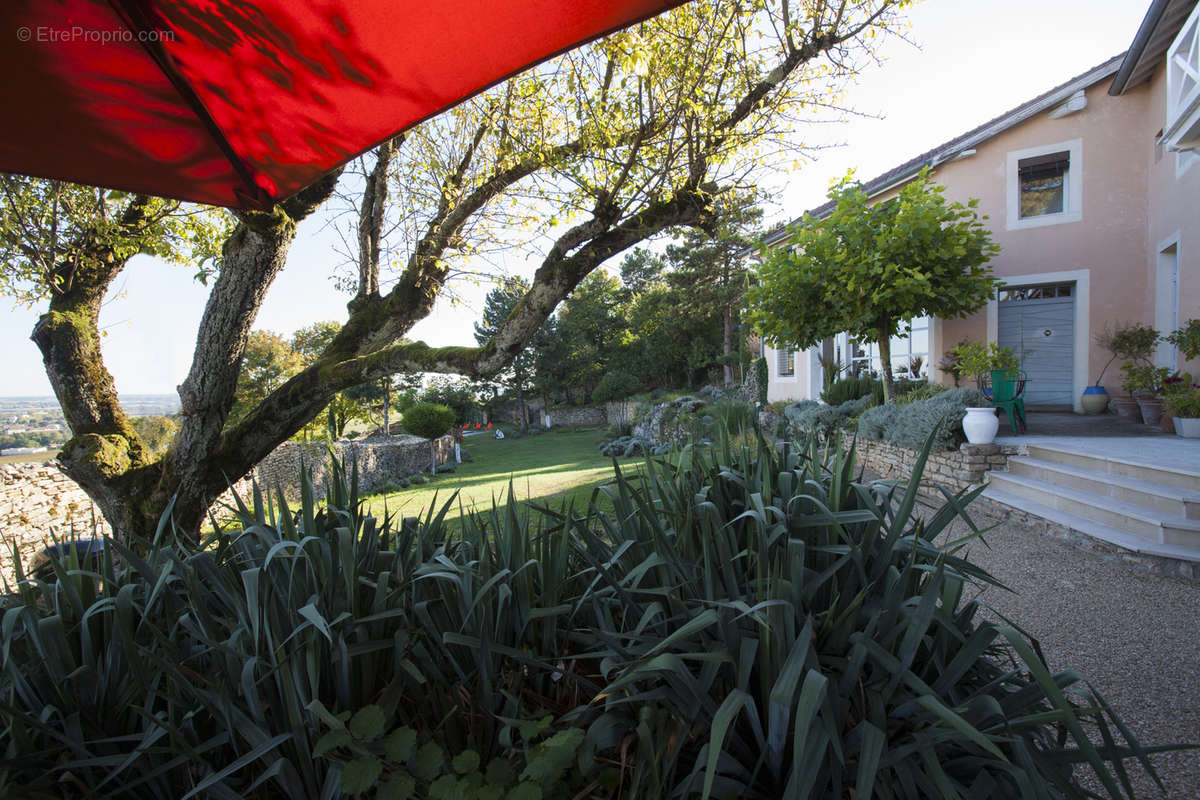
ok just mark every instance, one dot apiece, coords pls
pixel 240 103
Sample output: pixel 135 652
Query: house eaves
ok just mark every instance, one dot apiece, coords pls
pixel 1154 36
pixel 960 145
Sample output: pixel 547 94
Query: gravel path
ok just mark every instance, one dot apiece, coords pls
pixel 1134 636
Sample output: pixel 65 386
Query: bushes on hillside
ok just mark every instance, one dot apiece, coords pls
pixel 749 623
pixel 910 424
pixel 615 385
pixel 429 420
pixel 808 417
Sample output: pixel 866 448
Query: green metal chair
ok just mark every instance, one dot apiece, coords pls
pixel 1006 396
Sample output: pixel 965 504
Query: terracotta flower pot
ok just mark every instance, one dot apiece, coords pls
pixel 1128 407
pixel 1151 409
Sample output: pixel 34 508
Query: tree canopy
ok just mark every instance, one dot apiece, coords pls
pixel 866 268
pixel 569 164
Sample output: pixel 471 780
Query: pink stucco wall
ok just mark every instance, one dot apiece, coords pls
pixel 1133 203
pixel 1108 242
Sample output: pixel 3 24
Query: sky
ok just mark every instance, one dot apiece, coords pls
pixel 972 60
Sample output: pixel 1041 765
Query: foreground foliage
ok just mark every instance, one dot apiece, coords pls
pixel 745 622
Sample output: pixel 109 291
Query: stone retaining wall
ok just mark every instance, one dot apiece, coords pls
pixel 560 416
pixel 380 460
pixel 38 498
pixel 954 469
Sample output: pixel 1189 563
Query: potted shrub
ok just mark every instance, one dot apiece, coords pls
pixel 991 359
pixel 1095 397
pixel 1135 343
pixel 1144 382
pixel 1000 363
pixel 1184 406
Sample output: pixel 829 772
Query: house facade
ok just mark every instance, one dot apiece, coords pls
pixel 1092 191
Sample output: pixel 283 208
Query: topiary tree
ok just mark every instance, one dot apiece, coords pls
pixel 867 267
pixel 429 420
pixel 615 387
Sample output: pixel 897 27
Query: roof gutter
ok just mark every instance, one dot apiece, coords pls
pixel 1140 40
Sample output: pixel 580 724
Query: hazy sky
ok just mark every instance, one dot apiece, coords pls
pixel 976 59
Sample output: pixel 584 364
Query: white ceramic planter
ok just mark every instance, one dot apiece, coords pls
pixel 1188 427
pixel 980 425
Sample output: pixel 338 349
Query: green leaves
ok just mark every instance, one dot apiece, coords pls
pixel 360 775
pixel 367 723
pixel 743 621
pixel 868 265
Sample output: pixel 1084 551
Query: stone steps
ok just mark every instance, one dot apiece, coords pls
pixel 1130 503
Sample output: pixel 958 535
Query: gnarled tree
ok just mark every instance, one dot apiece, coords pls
pixel 573 162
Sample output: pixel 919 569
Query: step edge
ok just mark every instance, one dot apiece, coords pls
pixel 1113 460
pixel 1137 484
pixel 1131 510
pixel 1096 530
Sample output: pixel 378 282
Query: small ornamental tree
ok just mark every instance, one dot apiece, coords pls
pixel 615 387
pixel 429 420
pixel 867 268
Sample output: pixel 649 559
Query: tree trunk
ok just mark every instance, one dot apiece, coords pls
pixel 885 359
pixel 727 346
pixel 104 455
pixel 387 406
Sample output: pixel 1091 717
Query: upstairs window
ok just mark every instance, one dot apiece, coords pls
pixel 1043 182
pixel 1044 185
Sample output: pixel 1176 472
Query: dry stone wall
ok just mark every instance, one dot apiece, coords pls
pixel 37 499
pixel 954 469
pixel 560 416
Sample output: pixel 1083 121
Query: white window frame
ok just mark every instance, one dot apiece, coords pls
pixel 1072 191
pixel 872 348
pixel 779 374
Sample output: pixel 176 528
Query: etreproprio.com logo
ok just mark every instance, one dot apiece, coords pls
pixel 77 33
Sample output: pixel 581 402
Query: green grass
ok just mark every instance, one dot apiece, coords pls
pixel 555 467
pixel 25 457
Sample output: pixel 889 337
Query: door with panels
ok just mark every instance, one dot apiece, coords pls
pixel 1038 323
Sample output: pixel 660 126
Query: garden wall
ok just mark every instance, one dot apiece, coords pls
pixel 560 416
pixel 954 469
pixel 37 498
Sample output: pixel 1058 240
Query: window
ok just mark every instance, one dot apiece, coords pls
pixel 910 352
pixel 1045 185
pixel 785 362
pixel 1043 182
pixel 1036 292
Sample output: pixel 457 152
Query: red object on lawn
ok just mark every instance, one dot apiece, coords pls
pixel 243 104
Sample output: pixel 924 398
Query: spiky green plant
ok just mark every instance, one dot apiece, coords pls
pixel 744 621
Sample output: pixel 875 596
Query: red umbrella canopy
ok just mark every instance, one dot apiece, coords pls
pixel 240 103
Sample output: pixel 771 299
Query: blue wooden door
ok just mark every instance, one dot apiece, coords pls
pixel 1038 323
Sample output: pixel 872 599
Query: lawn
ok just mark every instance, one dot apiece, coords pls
pixel 556 467
pixel 27 457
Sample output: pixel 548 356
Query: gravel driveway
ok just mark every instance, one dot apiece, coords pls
pixel 1135 636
